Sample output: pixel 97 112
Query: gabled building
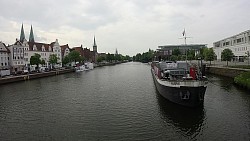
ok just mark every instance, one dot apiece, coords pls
pixel 65 50
pixel 4 56
pixel 17 61
pixel 79 49
pixel 22 50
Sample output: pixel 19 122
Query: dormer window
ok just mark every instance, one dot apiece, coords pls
pixel 34 47
pixel 49 48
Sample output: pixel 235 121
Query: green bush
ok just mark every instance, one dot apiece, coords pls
pixel 243 79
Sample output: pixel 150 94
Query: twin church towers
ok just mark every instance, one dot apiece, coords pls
pixel 31 37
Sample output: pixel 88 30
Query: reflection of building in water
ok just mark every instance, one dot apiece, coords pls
pixel 183 118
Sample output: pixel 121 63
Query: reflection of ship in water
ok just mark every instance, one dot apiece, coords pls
pixel 186 120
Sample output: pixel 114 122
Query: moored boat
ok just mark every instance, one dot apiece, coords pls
pixel 85 67
pixel 180 82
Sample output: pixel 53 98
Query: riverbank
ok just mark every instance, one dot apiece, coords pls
pixel 109 64
pixel 241 76
pixel 225 71
pixel 11 79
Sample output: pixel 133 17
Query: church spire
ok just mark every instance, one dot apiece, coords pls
pixel 94 42
pixel 116 51
pixel 94 46
pixel 22 36
pixel 31 38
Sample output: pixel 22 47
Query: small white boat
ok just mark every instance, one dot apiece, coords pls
pixel 87 66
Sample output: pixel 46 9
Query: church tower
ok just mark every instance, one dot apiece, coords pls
pixel 22 36
pixel 31 38
pixel 94 46
pixel 116 51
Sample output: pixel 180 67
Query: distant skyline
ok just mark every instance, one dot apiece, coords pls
pixel 130 26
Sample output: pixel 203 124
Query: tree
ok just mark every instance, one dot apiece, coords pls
pixel 100 59
pixel 35 60
pixel 53 59
pixel 42 62
pixel 227 55
pixel 209 54
pixel 190 55
pixel 74 56
pixel 65 60
pixel 176 52
pixel 173 58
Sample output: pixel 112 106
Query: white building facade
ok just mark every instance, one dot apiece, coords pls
pixel 4 56
pixel 20 53
pixel 17 62
pixel 239 44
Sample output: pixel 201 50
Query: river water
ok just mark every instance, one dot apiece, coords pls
pixel 118 103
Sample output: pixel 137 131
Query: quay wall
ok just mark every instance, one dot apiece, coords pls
pixel 11 79
pixel 225 71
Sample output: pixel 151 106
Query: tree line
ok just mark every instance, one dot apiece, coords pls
pixel 206 54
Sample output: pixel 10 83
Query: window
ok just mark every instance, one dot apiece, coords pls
pixel 239 40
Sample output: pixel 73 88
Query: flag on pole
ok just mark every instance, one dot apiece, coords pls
pixel 183 33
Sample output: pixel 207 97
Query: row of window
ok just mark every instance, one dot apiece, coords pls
pixel 232 42
pixel 5 58
pixel 3 53
pixel 4 64
pixel 18 57
pixel 18 50
pixel 18 63
pixel 241 49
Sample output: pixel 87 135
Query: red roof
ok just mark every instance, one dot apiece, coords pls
pixel 39 46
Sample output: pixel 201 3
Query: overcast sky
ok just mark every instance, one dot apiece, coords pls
pixel 131 26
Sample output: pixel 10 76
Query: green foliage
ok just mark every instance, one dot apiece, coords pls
pixel 118 57
pixel 100 59
pixel 53 59
pixel 227 55
pixel 144 57
pixel 243 79
pixel 35 59
pixel 190 55
pixel 176 52
pixel 75 56
pixel 110 57
pixel 173 58
pixel 42 62
pixel 209 54
pixel 65 60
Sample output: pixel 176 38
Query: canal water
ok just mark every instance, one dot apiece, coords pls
pixel 118 103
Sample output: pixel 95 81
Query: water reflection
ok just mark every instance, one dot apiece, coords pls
pixel 225 83
pixel 186 120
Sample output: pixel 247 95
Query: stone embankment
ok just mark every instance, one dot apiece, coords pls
pixel 225 71
pixel 10 79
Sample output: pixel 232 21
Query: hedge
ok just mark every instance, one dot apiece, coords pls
pixel 243 80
